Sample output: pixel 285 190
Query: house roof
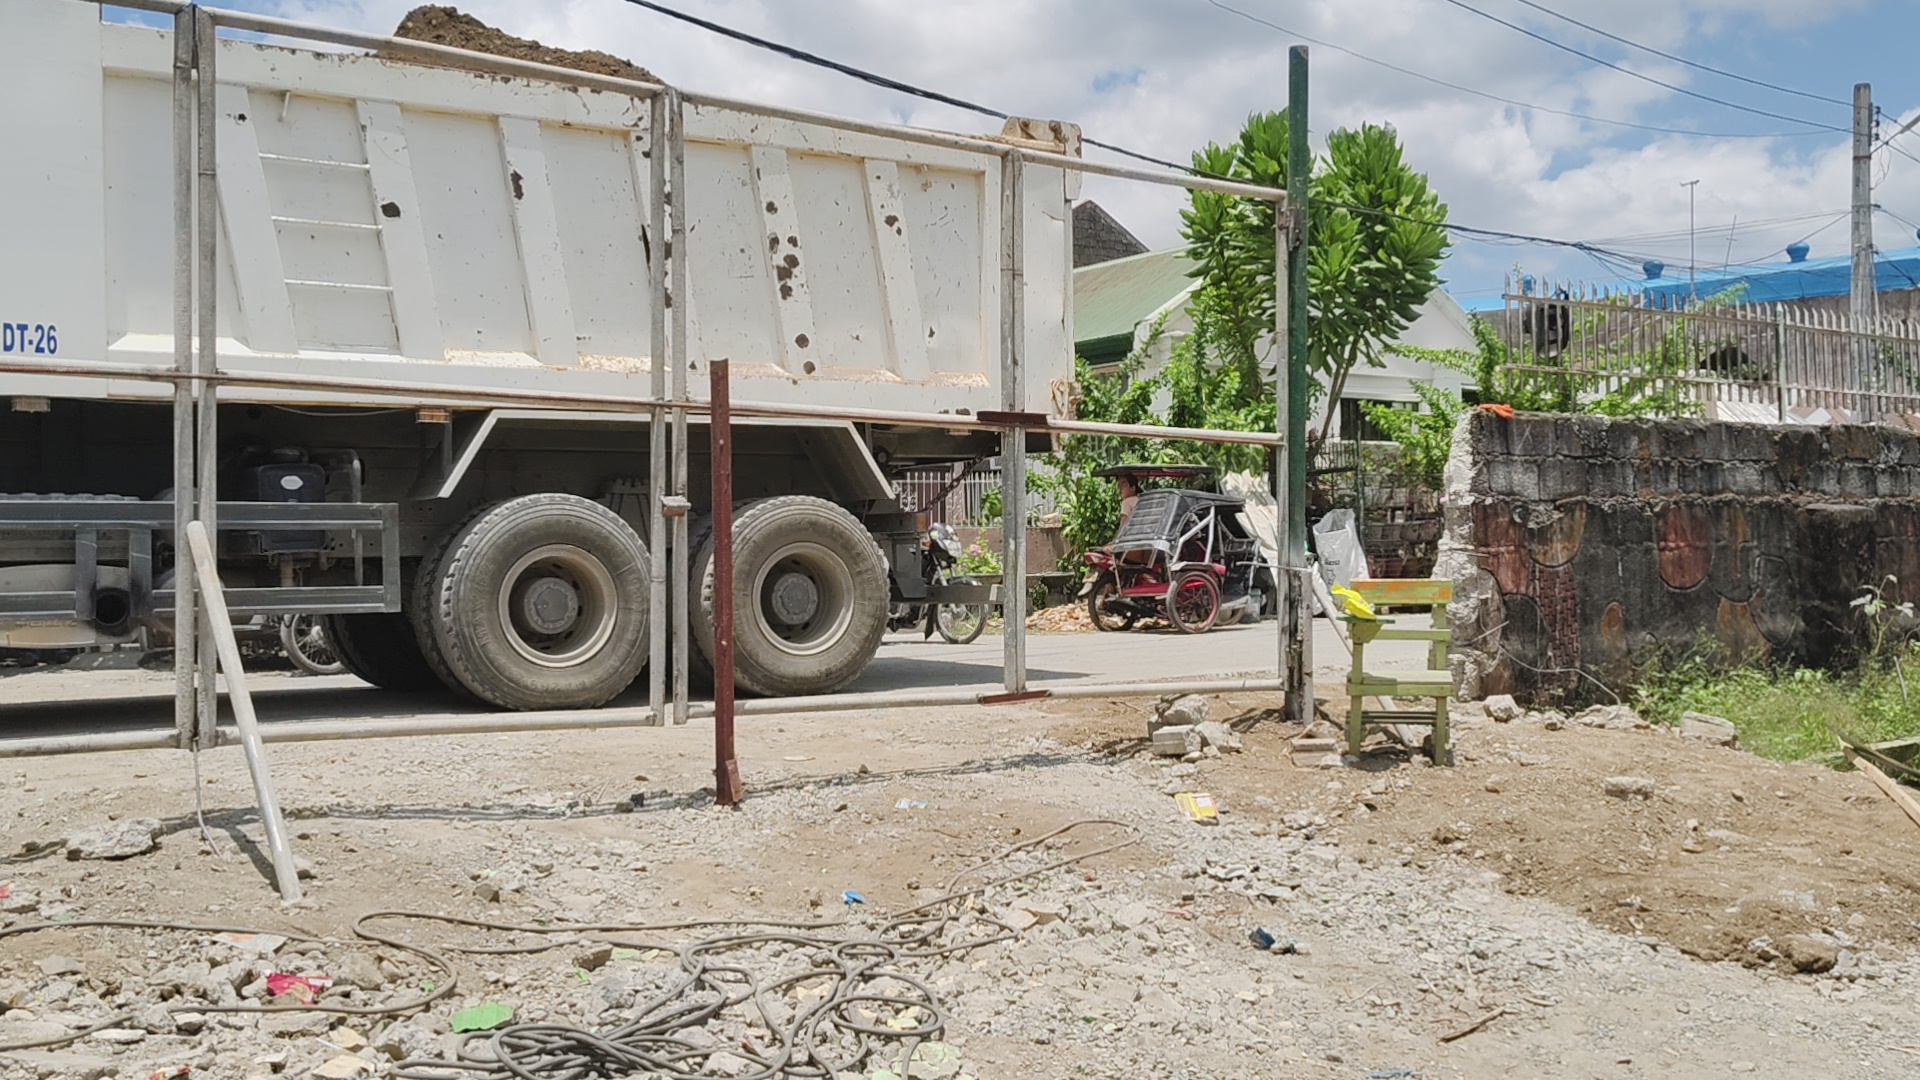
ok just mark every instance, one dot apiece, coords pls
pixel 1098 238
pixel 1769 284
pixel 1111 298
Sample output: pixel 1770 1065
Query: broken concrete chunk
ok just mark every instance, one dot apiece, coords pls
pixel 359 969
pixel 1503 709
pixel 1611 717
pixel 1178 741
pixel 1219 736
pixel 65 1066
pixel 1809 955
pixel 341 1067
pixel 59 965
pixel 296 1023
pixel 1186 710
pixel 725 1064
pixel 1711 729
pixel 1629 787
pixel 115 839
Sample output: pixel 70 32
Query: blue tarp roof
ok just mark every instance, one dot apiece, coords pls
pixel 1772 283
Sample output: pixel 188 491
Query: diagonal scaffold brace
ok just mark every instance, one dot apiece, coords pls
pixel 214 607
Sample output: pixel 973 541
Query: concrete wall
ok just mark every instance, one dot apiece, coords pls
pixel 1580 547
pixel 1046 546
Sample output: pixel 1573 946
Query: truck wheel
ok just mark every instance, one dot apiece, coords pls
pixel 381 649
pixel 422 605
pixel 541 603
pixel 809 597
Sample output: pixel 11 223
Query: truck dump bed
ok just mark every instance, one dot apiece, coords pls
pixel 381 219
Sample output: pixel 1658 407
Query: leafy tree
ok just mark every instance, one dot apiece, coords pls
pixel 1376 235
pixel 1425 438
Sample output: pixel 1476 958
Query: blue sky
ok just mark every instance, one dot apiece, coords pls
pixel 1165 76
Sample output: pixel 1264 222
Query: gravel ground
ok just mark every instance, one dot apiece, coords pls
pixel 1132 963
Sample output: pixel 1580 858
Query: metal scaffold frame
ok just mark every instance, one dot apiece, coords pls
pixel 198 382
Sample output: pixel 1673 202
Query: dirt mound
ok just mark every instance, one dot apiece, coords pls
pixel 1732 858
pixel 1065 619
pixel 442 25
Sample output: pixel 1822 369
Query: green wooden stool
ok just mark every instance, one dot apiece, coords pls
pixel 1435 683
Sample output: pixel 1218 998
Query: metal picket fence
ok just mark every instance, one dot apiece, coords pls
pixel 1716 356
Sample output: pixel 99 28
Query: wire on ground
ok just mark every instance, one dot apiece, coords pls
pixel 870 1002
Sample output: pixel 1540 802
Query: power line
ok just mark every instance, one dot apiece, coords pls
pixel 870 77
pixel 916 91
pixel 1250 17
pixel 1542 8
pixel 1750 224
pixel 1589 57
pixel 1901 150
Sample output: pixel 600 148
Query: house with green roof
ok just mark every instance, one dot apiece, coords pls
pixel 1118 301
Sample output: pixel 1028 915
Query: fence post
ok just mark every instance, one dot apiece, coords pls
pixel 1013 440
pixel 1299 165
pixel 1780 360
pixel 185 616
pixel 207 445
pixel 726 764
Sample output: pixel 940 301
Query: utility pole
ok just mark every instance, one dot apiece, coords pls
pixel 1692 187
pixel 1862 292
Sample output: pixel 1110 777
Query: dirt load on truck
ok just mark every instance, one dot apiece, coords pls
pixel 443 25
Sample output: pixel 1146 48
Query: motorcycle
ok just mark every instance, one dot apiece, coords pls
pixel 958 624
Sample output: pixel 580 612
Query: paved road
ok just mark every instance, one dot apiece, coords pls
pixel 66 701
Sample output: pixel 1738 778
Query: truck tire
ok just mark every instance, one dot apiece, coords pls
pixel 421 605
pixel 540 602
pixel 381 649
pixel 809 597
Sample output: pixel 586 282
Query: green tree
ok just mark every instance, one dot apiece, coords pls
pixel 1376 235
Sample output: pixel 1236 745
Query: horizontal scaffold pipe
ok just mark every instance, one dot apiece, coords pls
pixel 432 394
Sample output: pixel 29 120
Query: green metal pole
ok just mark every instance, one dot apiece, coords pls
pixel 1299 166
pixel 1300 696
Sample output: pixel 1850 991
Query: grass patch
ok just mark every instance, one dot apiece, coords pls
pixel 1789 714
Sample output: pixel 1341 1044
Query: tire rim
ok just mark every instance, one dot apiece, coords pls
pixel 959 620
pixel 802 599
pixel 1191 599
pixel 311 640
pixel 557 606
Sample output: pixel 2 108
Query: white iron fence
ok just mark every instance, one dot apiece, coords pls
pixel 1769 363
pixel 965 496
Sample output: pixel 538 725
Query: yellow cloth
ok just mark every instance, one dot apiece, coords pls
pixel 1354 604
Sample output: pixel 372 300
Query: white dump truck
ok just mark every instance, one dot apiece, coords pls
pixel 438 295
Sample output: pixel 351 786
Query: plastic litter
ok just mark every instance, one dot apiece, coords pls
pixel 850 898
pixel 483 1017
pixel 1264 940
pixel 1354 604
pixel 1336 537
pixel 302 988
pixel 1198 807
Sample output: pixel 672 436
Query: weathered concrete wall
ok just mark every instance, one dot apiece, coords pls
pixel 1581 547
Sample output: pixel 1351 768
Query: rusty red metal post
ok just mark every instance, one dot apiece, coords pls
pixel 726 764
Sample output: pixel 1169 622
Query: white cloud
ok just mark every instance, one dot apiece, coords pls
pixel 1164 76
